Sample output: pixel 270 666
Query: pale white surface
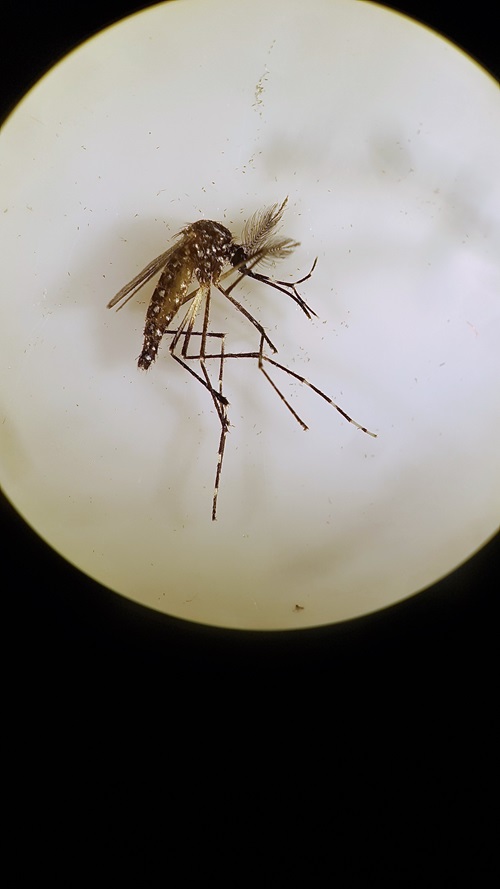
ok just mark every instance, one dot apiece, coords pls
pixel 386 140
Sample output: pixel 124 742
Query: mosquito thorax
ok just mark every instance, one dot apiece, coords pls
pixel 211 246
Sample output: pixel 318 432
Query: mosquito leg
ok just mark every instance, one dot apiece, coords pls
pixel 318 392
pixel 287 403
pixel 222 440
pixel 220 457
pixel 214 393
pixel 301 280
pixel 261 357
pixel 221 407
pixel 220 402
pixel 188 321
pixel 246 313
pixel 217 396
pixel 287 287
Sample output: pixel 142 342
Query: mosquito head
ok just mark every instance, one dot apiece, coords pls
pixel 239 256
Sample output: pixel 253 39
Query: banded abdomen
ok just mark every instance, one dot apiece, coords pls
pixel 169 295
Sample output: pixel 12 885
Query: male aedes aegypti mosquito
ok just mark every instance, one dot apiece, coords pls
pixel 202 252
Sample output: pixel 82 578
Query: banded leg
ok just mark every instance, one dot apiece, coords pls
pixel 186 334
pixel 261 357
pixel 220 401
pixel 286 287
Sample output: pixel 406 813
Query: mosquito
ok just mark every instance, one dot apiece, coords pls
pixel 206 253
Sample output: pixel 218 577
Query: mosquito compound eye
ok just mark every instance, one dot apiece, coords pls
pixel 238 256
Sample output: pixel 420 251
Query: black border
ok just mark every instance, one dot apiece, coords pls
pixel 66 624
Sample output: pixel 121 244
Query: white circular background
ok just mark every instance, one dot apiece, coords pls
pixel 385 138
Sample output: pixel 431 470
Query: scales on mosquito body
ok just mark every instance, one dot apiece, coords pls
pixel 207 253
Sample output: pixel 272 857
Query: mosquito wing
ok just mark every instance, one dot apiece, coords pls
pixel 133 286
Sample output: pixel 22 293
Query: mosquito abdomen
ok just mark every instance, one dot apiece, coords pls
pixel 204 250
pixel 165 302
